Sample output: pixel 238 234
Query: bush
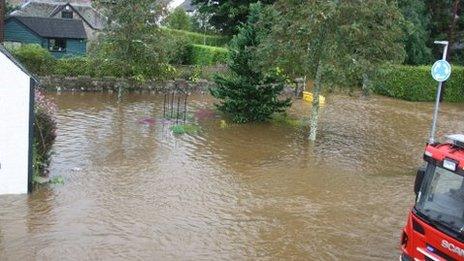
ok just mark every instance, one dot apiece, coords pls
pixel 36 59
pixel 74 67
pixel 415 83
pixel 178 19
pixel 44 133
pixel 206 55
pixel 197 38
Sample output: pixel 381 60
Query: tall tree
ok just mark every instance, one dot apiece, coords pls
pixel 249 94
pixel 445 24
pixel 417 32
pixel 227 15
pixel 337 42
pixel 178 19
pixel 133 40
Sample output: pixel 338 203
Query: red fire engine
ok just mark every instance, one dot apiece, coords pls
pixel 435 226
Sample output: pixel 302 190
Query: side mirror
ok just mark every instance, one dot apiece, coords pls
pixel 419 179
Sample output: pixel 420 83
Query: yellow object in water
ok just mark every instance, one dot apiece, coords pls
pixel 308 96
pixel 223 124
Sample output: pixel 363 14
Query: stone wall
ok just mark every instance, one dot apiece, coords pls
pixel 111 84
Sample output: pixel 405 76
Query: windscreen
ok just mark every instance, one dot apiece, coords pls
pixel 441 198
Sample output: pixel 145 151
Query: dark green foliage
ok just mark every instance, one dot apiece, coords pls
pixel 37 59
pixel 227 15
pixel 416 29
pixel 197 38
pixel 248 94
pixel 178 19
pixel 443 26
pixel 206 55
pixel 414 83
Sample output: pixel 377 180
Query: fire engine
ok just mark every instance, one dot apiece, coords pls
pixel 435 225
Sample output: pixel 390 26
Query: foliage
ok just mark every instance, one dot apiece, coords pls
pixel 445 23
pixel 334 42
pixel 248 94
pixel 10 8
pixel 34 57
pixel 44 133
pixel 197 38
pixel 178 19
pixel 206 55
pixel 133 42
pixel 414 83
pixel 416 30
pixel 185 129
pixel 226 16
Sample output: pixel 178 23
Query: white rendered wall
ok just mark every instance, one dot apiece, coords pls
pixel 14 127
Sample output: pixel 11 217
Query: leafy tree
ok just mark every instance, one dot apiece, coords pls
pixel 417 31
pixel 335 42
pixel 227 15
pixel 10 8
pixel 179 19
pixel 445 24
pixel 249 94
pixel 133 41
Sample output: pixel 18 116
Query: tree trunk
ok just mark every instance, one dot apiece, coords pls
pixel 2 20
pixel 316 104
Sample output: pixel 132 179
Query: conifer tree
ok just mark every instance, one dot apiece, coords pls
pixel 249 94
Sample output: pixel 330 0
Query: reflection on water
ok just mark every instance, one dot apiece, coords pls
pixel 136 192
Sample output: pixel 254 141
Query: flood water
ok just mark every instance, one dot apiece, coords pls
pixel 134 191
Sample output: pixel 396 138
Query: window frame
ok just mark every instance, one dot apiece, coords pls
pixel 56 41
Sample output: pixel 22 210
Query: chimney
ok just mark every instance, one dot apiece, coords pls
pixel 2 20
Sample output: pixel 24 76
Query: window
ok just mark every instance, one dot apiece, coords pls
pixel 67 14
pixel 57 45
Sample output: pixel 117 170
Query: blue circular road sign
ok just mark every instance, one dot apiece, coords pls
pixel 441 71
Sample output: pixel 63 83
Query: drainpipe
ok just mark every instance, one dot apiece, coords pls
pixel 2 20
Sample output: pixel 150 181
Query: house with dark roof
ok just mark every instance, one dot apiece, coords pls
pixel 62 37
pixel 93 21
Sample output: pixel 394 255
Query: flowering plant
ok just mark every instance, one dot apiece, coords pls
pixel 44 132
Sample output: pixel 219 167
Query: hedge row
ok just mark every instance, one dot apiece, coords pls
pixel 206 55
pixel 201 39
pixel 415 83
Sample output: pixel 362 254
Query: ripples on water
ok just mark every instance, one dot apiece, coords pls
pixel 260 191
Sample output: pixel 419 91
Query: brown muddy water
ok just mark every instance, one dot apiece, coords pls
pixel 135 191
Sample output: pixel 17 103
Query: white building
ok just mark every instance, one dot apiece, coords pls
pixel 16 119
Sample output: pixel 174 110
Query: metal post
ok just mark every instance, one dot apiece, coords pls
pixel 185 107
pixel 164 105
pixel 178 109
pixel 437 102
pixel 172 103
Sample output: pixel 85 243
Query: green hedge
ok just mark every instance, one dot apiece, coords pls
pixel 36 59
pixel 197 38
pixel 206 55
pixel 415 83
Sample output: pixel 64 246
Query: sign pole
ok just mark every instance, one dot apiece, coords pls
pixel 440 86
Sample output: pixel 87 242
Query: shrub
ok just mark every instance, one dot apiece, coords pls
pixel 178 19
pixel 415 83
pixel 74 67
pixel 36 59
pixel 197 38
pixel 44 133
pixel 206 55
